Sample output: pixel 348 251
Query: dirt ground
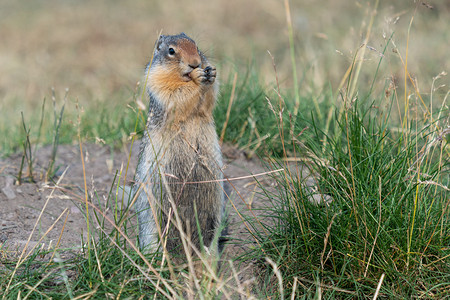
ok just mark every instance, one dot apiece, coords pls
pixel 21 205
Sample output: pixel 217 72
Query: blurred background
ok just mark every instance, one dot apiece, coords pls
pixel 98 48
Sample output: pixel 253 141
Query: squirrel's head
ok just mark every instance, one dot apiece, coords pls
pixel 177 51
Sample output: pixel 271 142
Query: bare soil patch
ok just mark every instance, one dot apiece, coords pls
pixel 22 206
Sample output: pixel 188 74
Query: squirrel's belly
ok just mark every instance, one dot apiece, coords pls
pixel 190 175
pixel 186 168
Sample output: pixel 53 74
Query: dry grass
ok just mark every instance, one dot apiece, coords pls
pixel 96 48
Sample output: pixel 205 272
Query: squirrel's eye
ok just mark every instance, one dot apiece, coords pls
pixel 171 51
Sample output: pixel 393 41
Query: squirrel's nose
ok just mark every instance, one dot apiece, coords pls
pixel 194 65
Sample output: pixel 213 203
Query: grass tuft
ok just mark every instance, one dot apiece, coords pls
pixel 382 220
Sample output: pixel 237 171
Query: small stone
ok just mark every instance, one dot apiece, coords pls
pixel 9 192
pixel 3 238
pixel 320 199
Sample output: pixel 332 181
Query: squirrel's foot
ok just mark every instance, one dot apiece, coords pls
pixel 204 76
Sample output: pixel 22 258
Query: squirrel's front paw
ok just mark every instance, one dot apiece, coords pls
pixel 205 76
pixel 210 74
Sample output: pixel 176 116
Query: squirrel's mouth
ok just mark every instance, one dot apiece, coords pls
pixel 187 76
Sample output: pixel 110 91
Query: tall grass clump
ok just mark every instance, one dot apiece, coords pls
pixel 384 211
pixel 253 122
pixel 244 98
pixel 362 207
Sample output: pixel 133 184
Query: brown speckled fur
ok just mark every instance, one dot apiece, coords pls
pixel 179 149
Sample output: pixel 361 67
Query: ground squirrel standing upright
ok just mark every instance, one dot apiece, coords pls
pixel 180 160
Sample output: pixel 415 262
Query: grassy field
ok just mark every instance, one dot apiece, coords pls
pixel 355 91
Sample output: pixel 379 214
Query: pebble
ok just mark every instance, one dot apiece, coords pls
pixel 9 192
pixel 7 189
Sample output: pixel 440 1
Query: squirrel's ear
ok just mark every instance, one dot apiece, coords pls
pixel 159 42
pixel 184 35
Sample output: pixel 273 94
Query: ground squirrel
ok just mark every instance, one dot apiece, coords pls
pixel 180 158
